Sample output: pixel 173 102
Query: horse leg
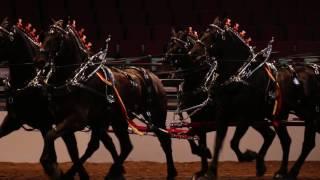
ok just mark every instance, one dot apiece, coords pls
pixel 201 148
pixel 9 125
pixel 308 145
pixel 93 145
pixel 249 155
pixel 165 142
pixel 71 143
pixel 96 135
pixel 108 144
pixel 220 135
pixel 159 120
pixel 202 151
pixel 285 142
pixel 48 158
pixel 121 131
pixel 268 135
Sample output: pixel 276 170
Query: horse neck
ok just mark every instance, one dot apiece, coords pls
pixel 231 56
pixel 69 61
pixel 21 69
pixel 194 77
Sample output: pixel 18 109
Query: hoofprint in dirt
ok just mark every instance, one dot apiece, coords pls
pixel 157 171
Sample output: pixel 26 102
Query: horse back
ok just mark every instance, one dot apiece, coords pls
pixel 140 89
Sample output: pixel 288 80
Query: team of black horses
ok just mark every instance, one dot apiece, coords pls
pixel 226 81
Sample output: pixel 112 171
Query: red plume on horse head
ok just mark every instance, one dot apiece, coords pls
pixel 234 27
pixel 28 29
pixel 80 34
pixel 192 32
pixel 19 23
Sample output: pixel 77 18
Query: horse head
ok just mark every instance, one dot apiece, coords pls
pixel 225 44
pixel 61 51
pixel 19 45
pixel 180 43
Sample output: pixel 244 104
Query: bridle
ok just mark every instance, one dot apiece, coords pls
pixel 8 33
pixel 182 44
pixel 7 83
pixel 53 54
pixel 50 55
pixel 71 30
pixel 214 29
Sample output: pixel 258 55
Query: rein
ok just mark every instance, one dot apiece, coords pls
pixel 131 124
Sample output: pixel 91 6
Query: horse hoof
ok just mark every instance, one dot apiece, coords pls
pixel 120 177
pixel 172 174
pixel 84 177
pixel 116 172
pixel 280 176
pixel 260 167
pixel 261 170
pixel 59 175
pixel 205 177
pixel 248 156
pixel 67 177
pixel 292 175
pixel 197 175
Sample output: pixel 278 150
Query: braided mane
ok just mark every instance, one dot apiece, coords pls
pixel 235 30
pixel 81 38
pixel 29 31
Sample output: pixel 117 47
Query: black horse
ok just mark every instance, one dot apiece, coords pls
pixel 91 94
pixel 19 49
pixel 230 102
pixel 250 96
pixel 198 77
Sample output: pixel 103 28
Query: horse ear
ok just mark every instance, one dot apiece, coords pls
pixel 53 20
pixel 195 33
pixel 189 30
pixel 5 22
pixel 74 23
pixel 59 23
pixel 217 21
pixel 227 22
pixel 173 32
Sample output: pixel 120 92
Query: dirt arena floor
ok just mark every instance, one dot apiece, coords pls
pixel 157 171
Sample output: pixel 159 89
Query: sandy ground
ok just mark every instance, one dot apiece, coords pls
pixel 157 171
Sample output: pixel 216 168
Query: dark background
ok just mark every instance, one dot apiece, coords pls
pixel 143 26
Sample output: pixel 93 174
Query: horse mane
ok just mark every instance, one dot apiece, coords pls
pixel 77 37
pixel 80 37
pixel 234 29
pixel 29 32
